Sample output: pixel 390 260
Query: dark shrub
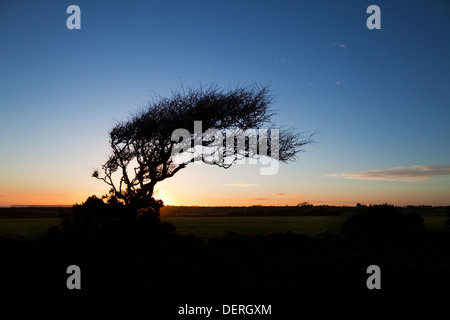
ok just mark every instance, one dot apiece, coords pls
pixel 447 221
pixel 95 217
pixel 382 222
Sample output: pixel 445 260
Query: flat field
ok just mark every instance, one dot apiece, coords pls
pixel 210 227
pixel 28 228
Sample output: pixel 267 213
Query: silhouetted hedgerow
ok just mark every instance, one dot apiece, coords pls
pixel 112 218
pixel 447 221
pixel 382 222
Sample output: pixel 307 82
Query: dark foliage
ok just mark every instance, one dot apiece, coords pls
pixel 112 218
pixel 263 269
pixel 447 221
pixel 382 222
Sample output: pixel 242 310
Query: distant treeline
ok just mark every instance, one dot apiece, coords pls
pixel 36 212
pixel 32 212
pixel 174 211
pixel 303 210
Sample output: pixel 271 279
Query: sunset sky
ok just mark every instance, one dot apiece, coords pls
pixel 380 99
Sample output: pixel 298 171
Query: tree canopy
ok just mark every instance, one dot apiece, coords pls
pixel 143 146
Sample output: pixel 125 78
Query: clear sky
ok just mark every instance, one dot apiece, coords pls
pixel 379 98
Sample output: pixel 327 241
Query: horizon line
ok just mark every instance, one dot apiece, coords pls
pixel 241 206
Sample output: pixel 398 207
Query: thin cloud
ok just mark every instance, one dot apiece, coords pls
pixel 412 173
pixel 289 196
pixel 340 45
pixel 239 185
pixel 340 82
pixel 310 84
pixel 261 199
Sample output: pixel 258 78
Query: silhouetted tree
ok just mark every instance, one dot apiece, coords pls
pixel 142 147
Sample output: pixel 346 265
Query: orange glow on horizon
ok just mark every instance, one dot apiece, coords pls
pixel 242 198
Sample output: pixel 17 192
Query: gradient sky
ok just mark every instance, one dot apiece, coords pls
pixel 380 99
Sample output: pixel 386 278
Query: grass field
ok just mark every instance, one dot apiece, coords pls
pixel 210 227
pixel 28 228
pixel 217 226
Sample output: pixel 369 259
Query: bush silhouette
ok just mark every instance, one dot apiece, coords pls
pixel 382 222
pixel 112 218
pixel 447 221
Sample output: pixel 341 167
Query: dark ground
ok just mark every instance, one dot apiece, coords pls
pixel 288 271
pixel 266 268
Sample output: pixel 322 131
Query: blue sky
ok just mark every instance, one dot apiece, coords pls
pixel 379 98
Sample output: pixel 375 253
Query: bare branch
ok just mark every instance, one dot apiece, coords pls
pixel 146 137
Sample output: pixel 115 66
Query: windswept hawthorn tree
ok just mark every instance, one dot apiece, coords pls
pixel 142 147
